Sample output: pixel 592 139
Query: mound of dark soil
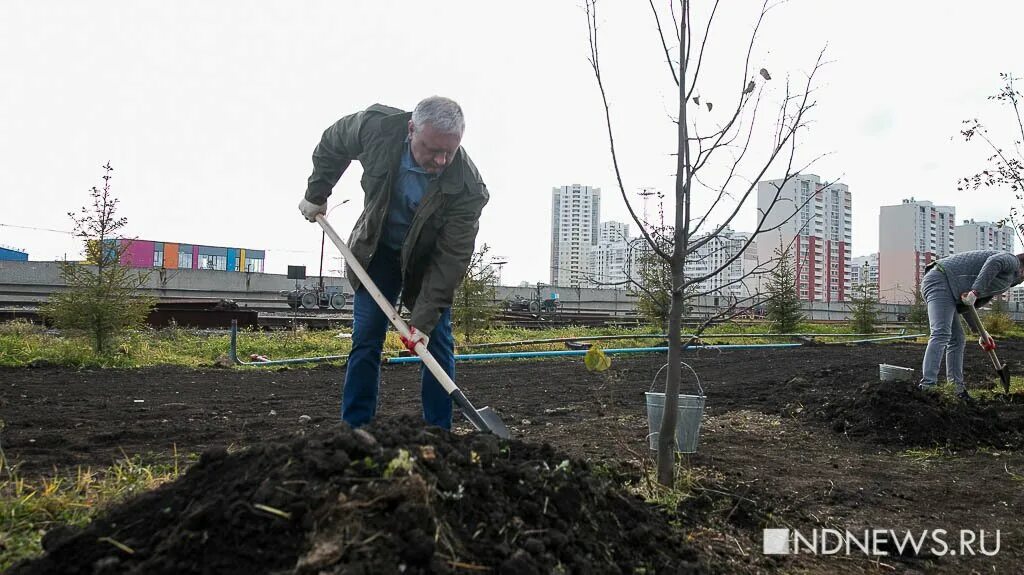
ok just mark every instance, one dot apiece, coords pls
pixel 900 414
pixel 396 498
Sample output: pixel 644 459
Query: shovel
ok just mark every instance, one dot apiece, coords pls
pixel 484 419
pixel 979 328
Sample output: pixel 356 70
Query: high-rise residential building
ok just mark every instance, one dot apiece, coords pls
pixel 608 261
pixel 714 255
pixel 864 271
pixel 910 236
pixel 611 231
pixel 972 235
pixel 814 221
pixel 575 216
pixel 1015 295
pixel 609 265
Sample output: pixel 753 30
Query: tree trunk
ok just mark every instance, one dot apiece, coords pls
pixel 680 246
pixel 667 434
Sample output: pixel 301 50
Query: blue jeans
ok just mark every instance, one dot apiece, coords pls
pixel 369 327
pixel 947 335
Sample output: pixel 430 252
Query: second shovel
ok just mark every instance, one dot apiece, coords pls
pixel 971 315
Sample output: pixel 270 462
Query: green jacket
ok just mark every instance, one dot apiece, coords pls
pixel 437 251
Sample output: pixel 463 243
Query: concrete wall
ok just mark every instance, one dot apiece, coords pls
pixel 31 281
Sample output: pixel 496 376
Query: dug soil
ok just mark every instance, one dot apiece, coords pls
pixel 802 438
pixel 391 498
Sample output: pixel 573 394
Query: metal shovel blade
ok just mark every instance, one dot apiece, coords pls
pixel 1004 376
pixel 974 322
pixel 483 419
pixel 1003 371
pixel 493 422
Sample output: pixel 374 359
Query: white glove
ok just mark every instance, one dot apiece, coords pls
pixel 310 210
pixel 969 297
pixel 415 336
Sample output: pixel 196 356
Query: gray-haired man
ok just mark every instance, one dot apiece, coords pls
pixel 415 236
pixel 950 284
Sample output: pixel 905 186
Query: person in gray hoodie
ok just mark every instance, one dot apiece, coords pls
pixel 949 286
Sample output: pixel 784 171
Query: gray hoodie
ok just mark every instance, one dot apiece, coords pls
pixel 988 272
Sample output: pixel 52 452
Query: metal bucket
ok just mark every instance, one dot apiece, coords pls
pixel 888 372
pixel 690 412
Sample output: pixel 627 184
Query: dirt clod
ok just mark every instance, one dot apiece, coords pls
pixel 395 497
pixel 900 414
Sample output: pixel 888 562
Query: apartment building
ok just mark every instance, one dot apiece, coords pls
pixel 575 218
pixel 714 255
pixel 609 259
pixel 972 235
pixel 910 236
pixel 814 221
pixel 864 271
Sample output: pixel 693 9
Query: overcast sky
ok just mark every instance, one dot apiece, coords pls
pixel 209 111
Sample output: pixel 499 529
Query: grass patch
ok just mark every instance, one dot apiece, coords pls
pixel 30 508
pixel 689 482
pixel 23 343
pixel 996 393
pixel 925 455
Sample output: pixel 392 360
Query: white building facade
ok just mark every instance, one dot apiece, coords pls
pixel 714 255
pixel 609 259
pixel 864 271
pixel 575 217
pixel 910 236
pixel 818 233
pixel 972 235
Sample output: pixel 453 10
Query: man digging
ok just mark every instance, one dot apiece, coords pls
pixel 415 236
pixel 949 286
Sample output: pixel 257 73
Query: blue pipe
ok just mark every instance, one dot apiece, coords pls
pixel 522 354
pixel 910 336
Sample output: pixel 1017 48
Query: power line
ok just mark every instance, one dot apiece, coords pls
pixel 37 229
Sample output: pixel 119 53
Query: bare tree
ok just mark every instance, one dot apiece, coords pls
pixel 717 166
pixel 1006 163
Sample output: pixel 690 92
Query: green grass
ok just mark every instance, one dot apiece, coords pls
pixel 996 392
pixel 22 343
pixel 925 455
pixel 30 508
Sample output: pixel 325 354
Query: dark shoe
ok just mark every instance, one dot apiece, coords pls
pixel 922 386
pixel 965 397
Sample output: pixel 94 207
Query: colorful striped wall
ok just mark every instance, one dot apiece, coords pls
pixel 137 254
pixel 171 256
pixel 168 255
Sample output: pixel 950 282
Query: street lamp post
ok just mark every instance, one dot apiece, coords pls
pixel 323 239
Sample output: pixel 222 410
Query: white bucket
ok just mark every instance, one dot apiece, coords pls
pixel 888 372
pixel 688 419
